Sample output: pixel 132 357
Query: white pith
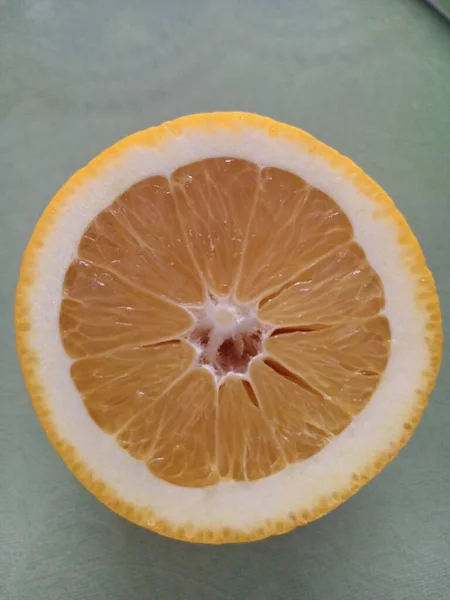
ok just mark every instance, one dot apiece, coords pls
pixel 241 505
pixel 224 319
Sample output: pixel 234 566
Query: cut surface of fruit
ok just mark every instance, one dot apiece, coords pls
pixel 259 241
pixel 225 315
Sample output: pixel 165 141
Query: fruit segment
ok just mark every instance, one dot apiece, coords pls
pixel 247 448
pixel 293 226
pixel 118 385
pixel 176 434
pixel 101 312
pixel 215 198
pixel 344 363
pixel 301 420
pixel 139 237
pixel 340 286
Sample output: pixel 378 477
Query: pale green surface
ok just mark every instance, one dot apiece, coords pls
pixel 371 78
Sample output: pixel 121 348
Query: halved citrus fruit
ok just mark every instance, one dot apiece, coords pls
pixel 226 327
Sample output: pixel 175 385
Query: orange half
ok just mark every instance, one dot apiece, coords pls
pixel 226 327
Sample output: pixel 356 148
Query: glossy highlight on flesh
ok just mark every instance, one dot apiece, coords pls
pixel 223 323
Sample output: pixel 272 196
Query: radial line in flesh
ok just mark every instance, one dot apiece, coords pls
pixel 172 185
pixel 245 240
pixel 275 291
pixel 108 269
pixel 167 389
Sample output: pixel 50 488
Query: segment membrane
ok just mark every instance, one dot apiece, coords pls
pixel 176 434
pixel 340 286
pixel 139 237
pixel 117 385
pixel 101 312
pixel 215 199
pixel 246 444
pixel 293 226
pixel 343 363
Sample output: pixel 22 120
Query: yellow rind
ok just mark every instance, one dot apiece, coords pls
pixel 426 297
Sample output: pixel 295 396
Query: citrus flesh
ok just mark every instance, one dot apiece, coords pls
pixel 261 239
pixel 232 325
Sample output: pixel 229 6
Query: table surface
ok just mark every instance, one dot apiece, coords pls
pixel 369 78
